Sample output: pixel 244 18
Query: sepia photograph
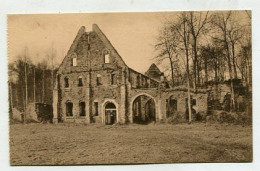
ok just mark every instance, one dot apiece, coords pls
pixel 118 88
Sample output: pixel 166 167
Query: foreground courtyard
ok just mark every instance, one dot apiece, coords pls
pixel 69 144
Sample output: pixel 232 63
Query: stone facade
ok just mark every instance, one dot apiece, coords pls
pixel 94 85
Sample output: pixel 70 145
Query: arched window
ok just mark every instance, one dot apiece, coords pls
pixel 73 59
pixel 80 81
pixel 106 57
pixel 69 109
pixel 66 82
pixel 82 110
pixel 162 77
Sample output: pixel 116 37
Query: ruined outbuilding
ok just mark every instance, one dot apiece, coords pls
pixel 94 85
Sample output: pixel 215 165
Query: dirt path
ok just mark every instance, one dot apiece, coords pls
pixel 39 144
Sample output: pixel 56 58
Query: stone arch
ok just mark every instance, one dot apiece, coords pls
pixel 107 101
pixel 136 97
pixel 141 94
pixel 106 55
pixel 105 51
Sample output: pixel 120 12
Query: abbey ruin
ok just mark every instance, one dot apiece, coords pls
pixel 94 85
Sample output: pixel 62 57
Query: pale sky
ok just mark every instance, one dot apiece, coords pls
pixel 132 34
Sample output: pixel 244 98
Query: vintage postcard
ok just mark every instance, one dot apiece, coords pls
pixel 130 88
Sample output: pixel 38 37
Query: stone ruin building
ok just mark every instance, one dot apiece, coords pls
pixel 94 85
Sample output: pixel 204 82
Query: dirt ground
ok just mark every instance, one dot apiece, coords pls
pixel 69 144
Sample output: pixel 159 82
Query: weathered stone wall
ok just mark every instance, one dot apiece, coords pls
pixel 89 49
pixel 201 103
pixel 181 97
pixel 138 80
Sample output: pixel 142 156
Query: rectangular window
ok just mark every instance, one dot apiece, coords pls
pixel 69 109
pixel 82 110
pixel 74 61
pixel 107 58
pixel 96 108
pixel 138 81
pixel 66 80
pixel 113 79
pixel 80 83
pixel 98 80
pixel 194 102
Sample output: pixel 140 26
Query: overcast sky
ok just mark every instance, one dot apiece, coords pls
pixel 132 34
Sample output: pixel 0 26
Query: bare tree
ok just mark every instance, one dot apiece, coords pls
pixel 234 33
pixel 196 22
pixel 221 21
pixel 167 47
pixel 182 28
pixel 26 81
pixel 12 79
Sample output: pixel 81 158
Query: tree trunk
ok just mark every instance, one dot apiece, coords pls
pixel 234 60
pixel 232 105
pixel 189 105
pixel 188 78
pixel 11 100
pixel 198 72
pixel 206 70
pixel 43 87
pixel 26 86
pixel 172 72
pixel 34 90
pixel 195 65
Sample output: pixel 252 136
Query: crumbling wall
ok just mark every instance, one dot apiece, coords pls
pixel 89 49
pixel 30 113
pixel 181 96
pixel 201 103
pixel 16 114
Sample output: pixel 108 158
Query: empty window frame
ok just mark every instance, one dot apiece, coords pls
pixel 80 81
pixel 82 109
pixel 74 60
pixel 194 102
pixel 96 108
pixel 113 79
pixel 138 82
pixel 107 58
pixel 66 82
pixel 69 109
pixel 98 79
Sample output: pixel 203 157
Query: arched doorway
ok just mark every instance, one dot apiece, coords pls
pixel 143 109
pixel 110 113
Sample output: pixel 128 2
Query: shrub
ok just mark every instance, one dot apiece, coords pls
pixel 229 117
pixel 174 119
